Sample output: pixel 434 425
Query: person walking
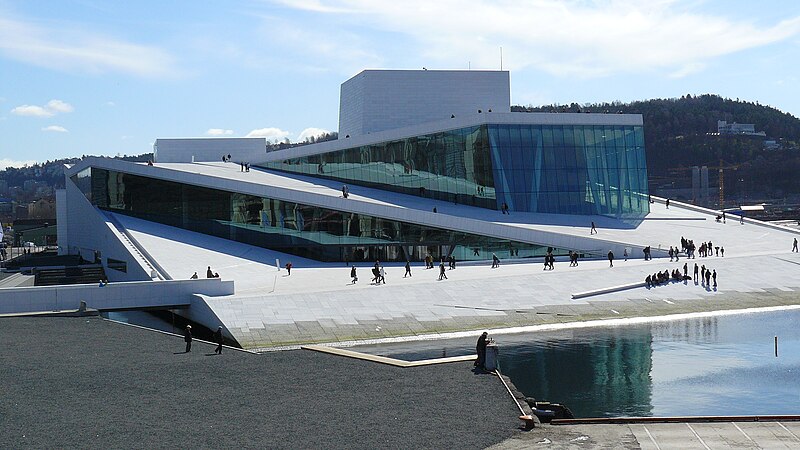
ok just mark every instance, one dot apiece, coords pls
pixel 625 253
pixel 723 216
pixel 289 268
pixel 794 246
pixel 495 261
pixel 480 349
pixel 219 340
pixel 610 258
pixel 408 269
pixel 187 337
pixel 383 275
pixel 671 253
pixel 442 273
pixel 353 274
pixel 593 230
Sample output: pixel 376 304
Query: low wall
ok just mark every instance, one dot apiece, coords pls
pixel 123 295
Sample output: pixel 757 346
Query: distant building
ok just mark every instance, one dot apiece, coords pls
pixel 740 129
pixel 44 208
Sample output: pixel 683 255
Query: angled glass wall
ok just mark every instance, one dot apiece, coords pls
pixel 569 169
pixel 316 233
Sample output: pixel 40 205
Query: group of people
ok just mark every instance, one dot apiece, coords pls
pixel 549 260
pixel 706 276
pixel 573 259
pixel 706 249
pixel 209 274
pixel 218 337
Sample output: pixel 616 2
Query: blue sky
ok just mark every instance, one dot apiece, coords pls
pixel 86 77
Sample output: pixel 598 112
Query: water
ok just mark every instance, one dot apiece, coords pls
pixel 723 365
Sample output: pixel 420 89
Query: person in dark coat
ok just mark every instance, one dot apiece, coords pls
pixel 209 273
pixel 480 348
pixel 408 269
pixel 187 337
pixel 442 271
pixel 218 339
pixel 610 258
pixel 353 274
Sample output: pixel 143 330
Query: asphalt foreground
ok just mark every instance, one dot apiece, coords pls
pixel 85 382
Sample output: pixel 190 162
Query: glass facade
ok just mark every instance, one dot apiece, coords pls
pixel 303 230
pixel 560 169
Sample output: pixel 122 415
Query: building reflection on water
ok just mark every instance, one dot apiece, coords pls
pixel 599 372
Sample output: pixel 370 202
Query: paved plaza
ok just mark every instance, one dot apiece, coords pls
pixel 317 303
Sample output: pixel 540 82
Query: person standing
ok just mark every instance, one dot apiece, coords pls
pixel 408 269
pixel 708 278
pixel 353 274
pixel 442 271
pixel 593 230
pixel 625 253
pixel 610 258
pixel 695 272
pixel 714 277
pixel 667 203
pixel 289 268
pixel 723 216
pixel 685 270
pixel 794 246
pixel 187 337
pixel 383 275
pixel 480 349
pixel 219 340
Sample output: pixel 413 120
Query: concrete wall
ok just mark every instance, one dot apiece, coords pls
pixel 112 296
pixel 378 100
pixel 209 149
pixel 88 231
pixel 61 221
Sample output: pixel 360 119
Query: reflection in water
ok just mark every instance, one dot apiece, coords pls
pixel 594 374
pixel 722 365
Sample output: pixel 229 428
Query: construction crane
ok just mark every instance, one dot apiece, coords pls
pixel 720 171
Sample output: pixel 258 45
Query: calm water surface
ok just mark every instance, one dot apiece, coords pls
pixel 724 365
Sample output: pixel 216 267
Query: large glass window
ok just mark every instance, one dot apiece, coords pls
pixel 317 233
pixel 575 169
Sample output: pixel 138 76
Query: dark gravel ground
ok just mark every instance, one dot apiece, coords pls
pixel 91 383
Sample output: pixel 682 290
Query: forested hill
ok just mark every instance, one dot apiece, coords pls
pixel 677 135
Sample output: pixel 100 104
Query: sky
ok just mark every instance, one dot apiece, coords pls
pixel 91 77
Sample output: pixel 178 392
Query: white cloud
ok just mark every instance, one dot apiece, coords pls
pixel 110 103
pixel 219 132
pixel 580 38
pixel 59 106
pixel 68 48
pixel 31 110
pixel 52 108
pixel 56 128
pixel 275 134
pixel 5 162
pixel 311 131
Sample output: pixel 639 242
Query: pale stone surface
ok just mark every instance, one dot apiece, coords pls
pixel 317 303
